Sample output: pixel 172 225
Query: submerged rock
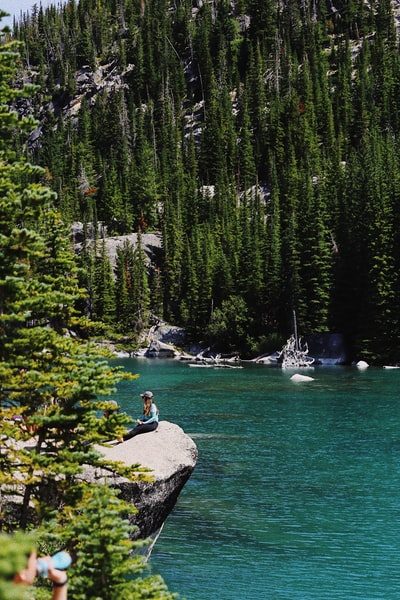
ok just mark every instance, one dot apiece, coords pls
pixel 171 455
pixel 362 364
pixel 299 377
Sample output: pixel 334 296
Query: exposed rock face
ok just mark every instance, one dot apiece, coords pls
pixel 161 350
pixel 169 334
pixel 171 455
pixel 151 242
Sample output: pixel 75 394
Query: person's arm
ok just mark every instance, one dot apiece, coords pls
pixel 58 577
pixel 153 417
pixel 27 575
pixel 60 584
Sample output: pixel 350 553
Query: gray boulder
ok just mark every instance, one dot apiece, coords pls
pixel 171 455
pixel 161 350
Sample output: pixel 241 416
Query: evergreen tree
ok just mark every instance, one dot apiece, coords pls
pixel 378 317
pixel 13 552
pixel 104 297
pixel 132 288
pixel 52 380
pixel 177 102
pixel 246 168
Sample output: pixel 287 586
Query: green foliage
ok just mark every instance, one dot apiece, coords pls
pixel 50 383
pixel 14 552
pixel 105 563
pixel 196 108
pixel 228 325
pixel 132 288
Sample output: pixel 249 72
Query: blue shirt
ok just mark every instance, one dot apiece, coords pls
pixel 153 415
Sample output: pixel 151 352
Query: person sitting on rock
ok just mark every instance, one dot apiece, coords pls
pixel 148 421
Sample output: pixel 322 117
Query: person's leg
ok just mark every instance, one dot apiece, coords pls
pixel 131 433
pixel 140 429
pixel 150 427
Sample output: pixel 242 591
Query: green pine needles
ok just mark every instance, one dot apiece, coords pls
pixel 49 384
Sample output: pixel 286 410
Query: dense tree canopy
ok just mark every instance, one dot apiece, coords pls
pixel 261 139
pixel 51 382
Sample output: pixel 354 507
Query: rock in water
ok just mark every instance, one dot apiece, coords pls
pixel 362 364
pixel 298 377
pixel 171 455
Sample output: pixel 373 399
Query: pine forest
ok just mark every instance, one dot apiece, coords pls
pixel 257 138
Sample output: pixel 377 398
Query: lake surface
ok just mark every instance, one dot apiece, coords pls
pixel 296 494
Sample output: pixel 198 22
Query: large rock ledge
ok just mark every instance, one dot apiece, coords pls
pixel 171 455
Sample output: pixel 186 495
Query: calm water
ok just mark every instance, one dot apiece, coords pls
pixel 296 492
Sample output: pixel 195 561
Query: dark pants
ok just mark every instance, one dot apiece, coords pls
pixel 140 429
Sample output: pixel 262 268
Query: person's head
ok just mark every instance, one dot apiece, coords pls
pixel 147 401
pixel 111 408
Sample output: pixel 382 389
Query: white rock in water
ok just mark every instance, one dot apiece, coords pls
pixel 298 377
pixel 362 364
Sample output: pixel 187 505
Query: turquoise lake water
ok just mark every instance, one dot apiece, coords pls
pixel 296 493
